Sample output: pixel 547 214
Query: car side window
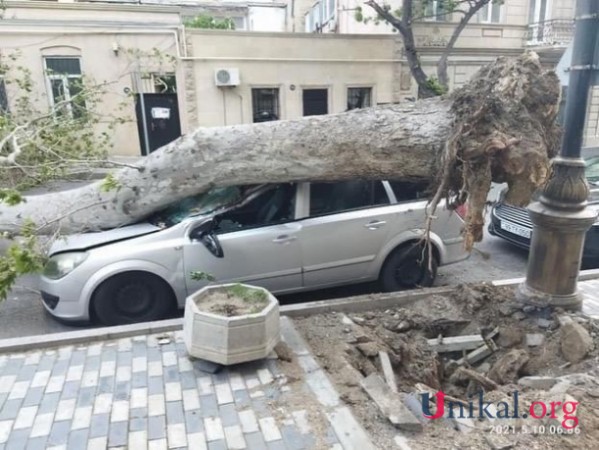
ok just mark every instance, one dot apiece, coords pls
pixel 409 191
pixel 277 205
pixel 330 198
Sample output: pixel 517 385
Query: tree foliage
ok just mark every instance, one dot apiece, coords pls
pixel 410 13
pixel 209 22
pixel 40 143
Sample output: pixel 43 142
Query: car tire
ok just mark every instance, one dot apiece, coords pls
pixel 132 297
pixel 408 268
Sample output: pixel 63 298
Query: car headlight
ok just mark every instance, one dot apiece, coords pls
pixel 60 265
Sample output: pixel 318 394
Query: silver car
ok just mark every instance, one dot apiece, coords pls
pixel 286 237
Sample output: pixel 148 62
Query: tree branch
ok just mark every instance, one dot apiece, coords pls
pixel 442 63
pixel 386 15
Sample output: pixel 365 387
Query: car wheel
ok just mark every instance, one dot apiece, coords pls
pixel 132 297
pixel 408 268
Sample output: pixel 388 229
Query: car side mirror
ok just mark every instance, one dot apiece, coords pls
pixel 204 228
pixel 205 234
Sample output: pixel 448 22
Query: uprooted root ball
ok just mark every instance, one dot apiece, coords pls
pixel 505 132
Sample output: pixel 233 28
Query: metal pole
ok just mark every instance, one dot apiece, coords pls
pixel 144 122
pixel 583 60
pixel 560 217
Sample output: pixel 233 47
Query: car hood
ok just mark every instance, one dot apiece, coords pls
pixel 85 241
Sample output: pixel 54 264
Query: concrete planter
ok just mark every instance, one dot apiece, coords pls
pixel 230 340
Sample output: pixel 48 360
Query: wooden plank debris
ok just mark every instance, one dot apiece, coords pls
pixel 479 354
pixel 388 371
pixel 390 403
pixel 484 381
pixel 456 343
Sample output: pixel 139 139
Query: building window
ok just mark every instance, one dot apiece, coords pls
pixel 435 10
pixel 539 11
pixel 319 15
pixel 332 11
pixel 239 23
pixel 265 104
pixel 65 84
pixel 359 97
pixel 316 101
pixel 308 22
pixel 3 97
pixel 164 84
pixel 315 22
pixel 490 13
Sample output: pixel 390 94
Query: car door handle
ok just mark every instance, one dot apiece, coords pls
pixel 283 239
pixel 373 225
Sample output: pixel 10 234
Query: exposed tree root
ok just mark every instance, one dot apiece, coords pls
pixel 504 130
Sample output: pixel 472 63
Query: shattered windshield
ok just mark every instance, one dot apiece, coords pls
pixel 204 203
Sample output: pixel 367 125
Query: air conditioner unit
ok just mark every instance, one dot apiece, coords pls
pixel 226 77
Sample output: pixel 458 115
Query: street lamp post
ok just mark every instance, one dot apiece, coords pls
pixel 561 217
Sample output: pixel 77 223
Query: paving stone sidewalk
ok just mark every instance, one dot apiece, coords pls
pixel 144 392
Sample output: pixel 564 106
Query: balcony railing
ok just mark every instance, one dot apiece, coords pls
pixel 556 32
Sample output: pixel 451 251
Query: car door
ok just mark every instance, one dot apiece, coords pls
pixel 348 224
pixel 259 241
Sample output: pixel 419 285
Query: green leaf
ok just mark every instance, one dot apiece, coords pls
pixel 110 183
pixel 19 259
pixel 11 197
pixel 209 22
pixel 434 85
pixel 198 275
pixel 358 15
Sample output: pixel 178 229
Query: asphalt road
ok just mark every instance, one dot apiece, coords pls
pixel 22 313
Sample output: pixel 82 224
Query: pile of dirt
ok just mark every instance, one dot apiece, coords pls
pixel 232 301
pixel 545 355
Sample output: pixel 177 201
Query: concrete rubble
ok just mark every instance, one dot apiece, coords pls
pixel 465 346
pixel 576 342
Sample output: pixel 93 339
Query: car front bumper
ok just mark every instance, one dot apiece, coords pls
pixel 62 299
pixel 518 241
pixel 590 252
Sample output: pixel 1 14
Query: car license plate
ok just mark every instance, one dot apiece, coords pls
pixel 516 229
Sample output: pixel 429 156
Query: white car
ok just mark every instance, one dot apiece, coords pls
pixel 286 237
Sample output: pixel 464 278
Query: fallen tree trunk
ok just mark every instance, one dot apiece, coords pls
pixel 500 127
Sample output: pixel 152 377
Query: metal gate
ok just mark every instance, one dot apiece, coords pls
pixel 160 114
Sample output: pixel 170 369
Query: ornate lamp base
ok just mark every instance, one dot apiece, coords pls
pixel 561 221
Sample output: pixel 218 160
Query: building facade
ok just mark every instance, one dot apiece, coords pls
pixel 167 79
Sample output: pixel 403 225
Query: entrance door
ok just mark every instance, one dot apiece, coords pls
pixel 316 102
pixel 161 118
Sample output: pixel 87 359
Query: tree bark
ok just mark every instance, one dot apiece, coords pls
pixel 404 27
pixel 500 127
pixel 442 63
pixel 401 141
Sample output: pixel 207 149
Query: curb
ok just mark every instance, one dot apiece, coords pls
pixel 349 431
pixel 361 303
pixel 85 336
pixel 355 304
